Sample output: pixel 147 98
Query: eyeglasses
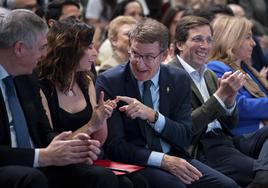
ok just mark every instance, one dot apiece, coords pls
pixel 201 40
pixel 146 58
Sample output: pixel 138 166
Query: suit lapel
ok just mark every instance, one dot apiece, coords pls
pixel 195 90
pixel 165 88
pixel 211 87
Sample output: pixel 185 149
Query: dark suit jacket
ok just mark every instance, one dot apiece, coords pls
pixel 39 128
pixel 204 113
pixel 126 141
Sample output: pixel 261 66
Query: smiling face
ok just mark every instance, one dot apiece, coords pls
pixel 244 51
pixel 89 58
pixel 196 48
pixel 143 69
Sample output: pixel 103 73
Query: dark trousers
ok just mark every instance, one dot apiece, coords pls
pixel 85 176
pixel 81 176
pixel 77 176
pixel 133 180
pixel 239 157
pixel 22 177
pixel 211 178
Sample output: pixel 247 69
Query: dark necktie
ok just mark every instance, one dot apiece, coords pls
pixel 152 139
pixel 18 119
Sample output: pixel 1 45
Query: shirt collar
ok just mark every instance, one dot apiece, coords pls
pixel 190 70
pixel 154 79
pixel 3 73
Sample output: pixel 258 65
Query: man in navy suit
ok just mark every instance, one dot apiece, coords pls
pixel 152 123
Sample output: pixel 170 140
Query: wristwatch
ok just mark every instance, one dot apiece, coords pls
pixel 156 115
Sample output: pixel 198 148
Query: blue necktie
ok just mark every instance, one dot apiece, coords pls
pixel 18 119
pixel 152 139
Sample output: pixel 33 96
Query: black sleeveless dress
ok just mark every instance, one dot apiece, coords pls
pixel 61 119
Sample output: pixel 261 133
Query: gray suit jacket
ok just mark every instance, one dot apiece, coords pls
pixel 205 112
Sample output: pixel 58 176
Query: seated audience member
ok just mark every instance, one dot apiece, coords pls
pixel 214 114
pixel 232 50
pixel 60 9
pixel 118 36
pixel 132 8
pixel 151 125
pixel 259 62
pixel 68 92
pixel 170 19
pixel 21 4
pixel 23 122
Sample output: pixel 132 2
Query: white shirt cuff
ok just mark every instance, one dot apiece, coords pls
pixel 36 157
pixel 155 159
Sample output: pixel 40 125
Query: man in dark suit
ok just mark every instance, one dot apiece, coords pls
pixel 152 124
pixel 214 114
pixel 24 125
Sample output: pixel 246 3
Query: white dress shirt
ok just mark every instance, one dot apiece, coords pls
pixel 199 81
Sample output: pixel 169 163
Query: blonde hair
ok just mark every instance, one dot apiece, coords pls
pixel 116 24
pixel 229 33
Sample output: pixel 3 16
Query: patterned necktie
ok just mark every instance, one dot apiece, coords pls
pixel 18 119
pixel 152 139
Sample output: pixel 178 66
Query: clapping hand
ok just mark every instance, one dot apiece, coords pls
pixel 229 84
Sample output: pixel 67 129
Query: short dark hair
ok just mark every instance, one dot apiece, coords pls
pixel 150 31
pixel 54 9
pixel 120 8
pixel 187 23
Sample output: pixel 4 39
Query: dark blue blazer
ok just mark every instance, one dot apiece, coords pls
pixel 126 141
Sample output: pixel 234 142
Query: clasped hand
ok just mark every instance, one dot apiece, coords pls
pixel 64 151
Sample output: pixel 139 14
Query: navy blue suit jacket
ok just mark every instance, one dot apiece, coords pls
pixel 126 142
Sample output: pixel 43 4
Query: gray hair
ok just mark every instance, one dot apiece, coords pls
pixel 21 25
pixel 3 12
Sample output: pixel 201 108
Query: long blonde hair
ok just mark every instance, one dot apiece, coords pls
pixel 229 33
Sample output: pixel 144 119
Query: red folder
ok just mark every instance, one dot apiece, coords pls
pixel 118 168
